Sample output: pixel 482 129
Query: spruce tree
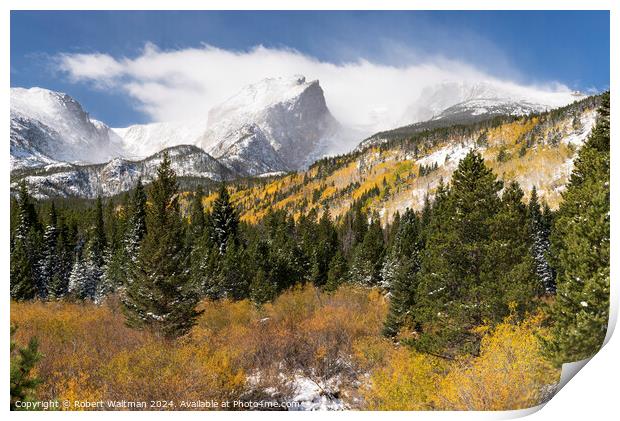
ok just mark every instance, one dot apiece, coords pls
pixel 25 249
pixel 136 228
pixel 368 256
pixel 224 220
pixel 580 245
pixel 49 266
pixel 509 276
pixel 162 296
pixel 115 256
pixel 94 259
pixel 324 250
pixel 406 244
pixel 540 230
pixel 199 239
pixel 401 271
pixel 78 278
pixel 59 282
pixel 455 276
pixel 232 277
pixel 338 272
pixel 262 290
pixel 121 257
pixel 402 297
pixel 197 215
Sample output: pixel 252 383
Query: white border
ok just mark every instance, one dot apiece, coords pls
pixel 593 393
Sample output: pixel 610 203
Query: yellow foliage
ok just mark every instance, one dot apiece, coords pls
pixel 510 372
pixel 90 355
pixel 409 382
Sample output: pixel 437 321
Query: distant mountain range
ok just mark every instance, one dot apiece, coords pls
pixel 274 126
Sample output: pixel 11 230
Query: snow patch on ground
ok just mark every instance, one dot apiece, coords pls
pixel 304 394
pixel 312 396
pixel 450 155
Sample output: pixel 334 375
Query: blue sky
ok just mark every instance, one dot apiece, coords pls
pixel 571 48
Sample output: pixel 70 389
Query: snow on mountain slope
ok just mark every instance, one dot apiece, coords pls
pixel 248 151
pixel 142 140
pixel 484 98
pixel 451 103
pixel 48 127
pixel 120 175
pixel 537 150
pixel 288 117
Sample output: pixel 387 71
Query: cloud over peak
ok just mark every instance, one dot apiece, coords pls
pixel 170 85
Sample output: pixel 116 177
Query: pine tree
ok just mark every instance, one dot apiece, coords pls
pixel 197 215
pixel 202 261
pixel 224 220
pixel 540 230
pixel 49 265
pixel 368 256
pixel 456 275
pixel 338 272
pixel 114 256
pixel 23 361
pixel 324 250
pixel 406 244
pixel 509 267
pixel 107 281
pixel 81 283
pixel 232 277
pixel 98 241
pixel 262 290
pixel 400 273
pixel 580 245
pixel 24 249
pixel 162 296
pixel 94 275
pixel 402 297
pixel 59 282
pixel 94 262
pixel 136 229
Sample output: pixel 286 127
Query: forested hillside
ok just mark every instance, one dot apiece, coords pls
pixel 398 171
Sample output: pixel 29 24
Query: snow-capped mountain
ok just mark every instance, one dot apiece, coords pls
pixel 290 113
pixel 273 126
pixel 452 103
pixel 483 98
pixel 277 124
pixel 248 151
pixel 119 175
pixel 49 127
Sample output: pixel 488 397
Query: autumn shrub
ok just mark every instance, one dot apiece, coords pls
pixel 403 380
pixel 510 373
pixel 89 354
pixel 236 350
pixel 164 371
pixel 310 333
pixel 75 340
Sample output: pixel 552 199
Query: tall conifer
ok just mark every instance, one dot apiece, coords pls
pixel 162 296
pixel 580 244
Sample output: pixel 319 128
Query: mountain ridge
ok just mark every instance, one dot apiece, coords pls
pixel 119 175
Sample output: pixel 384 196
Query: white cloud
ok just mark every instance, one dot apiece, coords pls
pixel 186 83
